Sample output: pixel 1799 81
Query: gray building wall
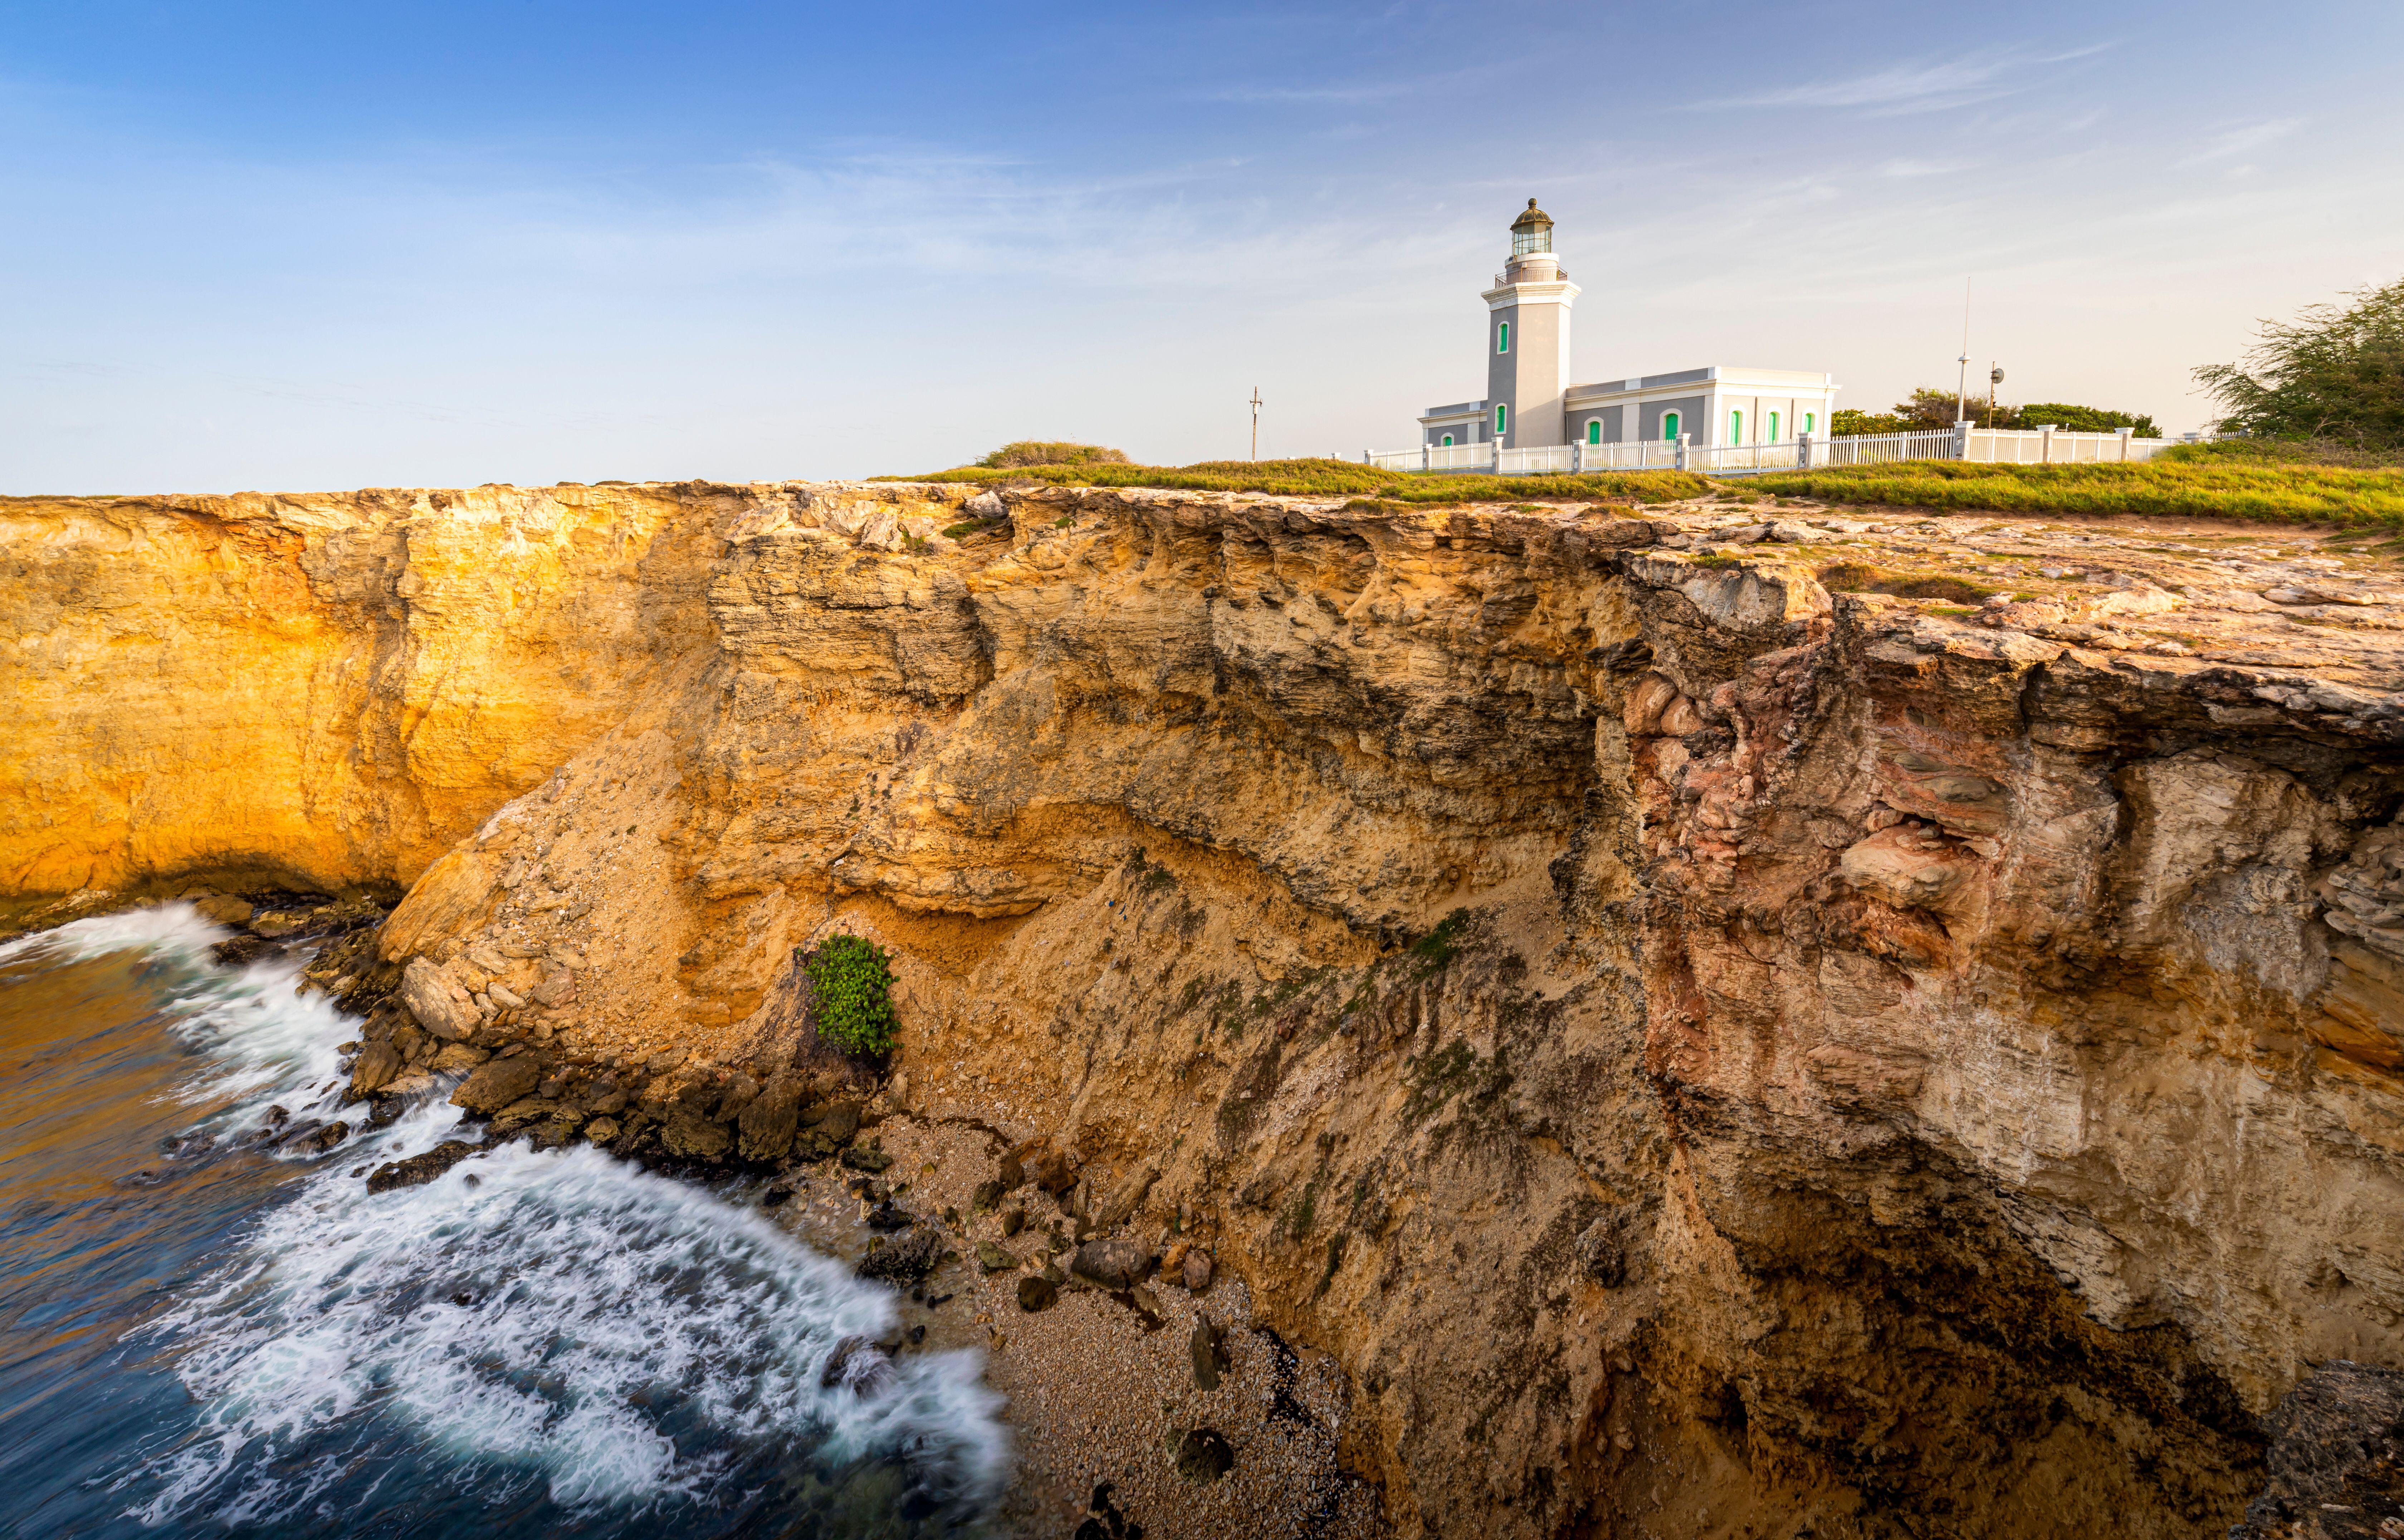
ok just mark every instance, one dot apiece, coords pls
pixel 1528 378
pixel 1690 418
pixel 1611 418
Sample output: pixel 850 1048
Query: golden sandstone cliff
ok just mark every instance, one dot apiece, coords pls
pixel 1699 1051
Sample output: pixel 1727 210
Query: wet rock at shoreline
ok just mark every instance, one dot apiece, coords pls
pixel 496 1084
pixel 377 1064
pixel 905 1258
pixel 418 1170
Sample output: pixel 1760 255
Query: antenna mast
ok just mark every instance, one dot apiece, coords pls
pixel 1256 424
pixel 1962 386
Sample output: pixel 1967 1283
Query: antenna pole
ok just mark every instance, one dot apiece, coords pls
pixel 1962 386
pixel 1256 425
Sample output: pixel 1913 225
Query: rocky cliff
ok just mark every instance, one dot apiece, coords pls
pixel 1706 1054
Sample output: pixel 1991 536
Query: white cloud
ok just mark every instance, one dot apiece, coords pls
pixel 1924 86
pixel 2231 142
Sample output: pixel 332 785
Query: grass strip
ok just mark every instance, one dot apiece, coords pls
pixel 1342 478
pixel 2175 485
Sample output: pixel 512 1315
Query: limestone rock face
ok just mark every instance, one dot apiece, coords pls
pixel 1636 1007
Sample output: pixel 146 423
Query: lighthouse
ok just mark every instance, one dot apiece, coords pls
pixel 1528 337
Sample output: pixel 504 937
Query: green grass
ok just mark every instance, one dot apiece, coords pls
pixel 1342 478
pixel 2191 481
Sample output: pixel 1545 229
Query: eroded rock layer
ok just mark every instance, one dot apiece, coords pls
pixel 1699 1051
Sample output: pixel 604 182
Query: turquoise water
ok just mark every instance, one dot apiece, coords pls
pixel 202 1334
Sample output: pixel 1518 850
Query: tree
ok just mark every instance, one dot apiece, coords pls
pixel 2332 373
pixel 2070 419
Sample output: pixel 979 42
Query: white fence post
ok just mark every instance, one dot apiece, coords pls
pixel 1423 456
pixel 1803 451
pixel 1682 451
pixel 2044 442
pixel 2125 433
pixel 1961 440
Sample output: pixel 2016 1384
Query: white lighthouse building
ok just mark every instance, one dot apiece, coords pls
pixel 1529 401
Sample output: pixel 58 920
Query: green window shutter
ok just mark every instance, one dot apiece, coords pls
pixel 1807 421
pixel 1593 432
pixel 1502 421
pixel 1448 440
pixel 1773 428
pixel 1669 425
pixel 1736 427
pixel 1503 336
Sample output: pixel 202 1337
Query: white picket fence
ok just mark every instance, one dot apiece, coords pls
pixel 2033 447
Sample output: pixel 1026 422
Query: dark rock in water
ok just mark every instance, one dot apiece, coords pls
pixel 241 950
pixel 184 1147
pixel 856 1364
pixel 275 927
pixel 769 1119
pixel 383 1111
pixel 906 1258
pixel 518 1115
pixel 886 1216
pixel 2333 1461
pixel 1115 1264
pixel 143 1179
pixel 418 1170
pixel 695 1136
pixel 1207 1348
pixel 498 1083
pixel 374 1069
pixel 859 1158
pixel 1036 1293
pixel 1203 1456
pixel 777 1196
pixel 316 1139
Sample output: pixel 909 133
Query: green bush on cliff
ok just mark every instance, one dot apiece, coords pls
pixel 851 993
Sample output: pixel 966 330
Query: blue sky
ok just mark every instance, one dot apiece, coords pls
pixel 289 247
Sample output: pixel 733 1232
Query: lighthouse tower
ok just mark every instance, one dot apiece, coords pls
pixel 1528 339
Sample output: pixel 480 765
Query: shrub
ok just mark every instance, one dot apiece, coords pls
pixel 1860 578
pixel 1038 452
pixel 851 993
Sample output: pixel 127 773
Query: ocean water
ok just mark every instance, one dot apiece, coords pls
pixel 202 1334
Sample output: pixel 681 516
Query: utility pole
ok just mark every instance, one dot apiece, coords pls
pixel 1256 425
pixel 1962 386
pixel 1995 378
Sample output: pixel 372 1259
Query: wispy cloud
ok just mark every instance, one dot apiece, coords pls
pixel 1374 92
pixel 1920 86
pixel 2232 143
pixel 1903 168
